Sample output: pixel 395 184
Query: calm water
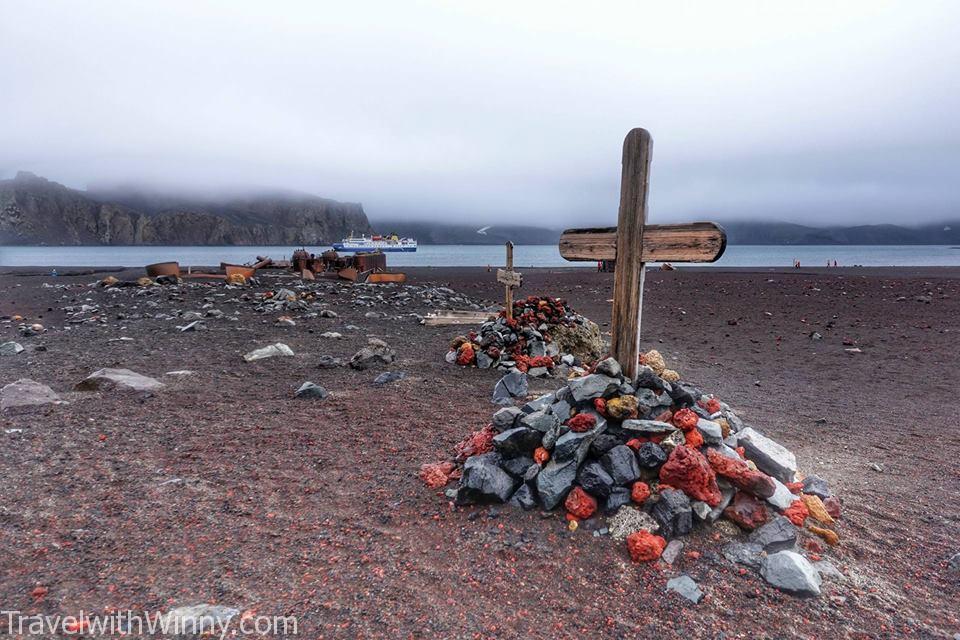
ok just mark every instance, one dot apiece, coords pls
pixel 476 256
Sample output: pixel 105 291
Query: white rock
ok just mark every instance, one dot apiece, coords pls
pixel 770 456
pixel 331 334
pixel 118 379
pixel 26 393
pixel 789 571
pixel 278 349
pixel 10 348
pixel 782 497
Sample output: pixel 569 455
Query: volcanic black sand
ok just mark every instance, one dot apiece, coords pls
pixel 223 488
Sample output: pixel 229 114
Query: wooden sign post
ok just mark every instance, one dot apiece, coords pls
pixel 509 279
pixel 632 243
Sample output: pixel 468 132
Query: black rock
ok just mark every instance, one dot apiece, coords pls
pixel 816 486
pixel 621 463
pixel 777 535
pixel 595 480
pixel 603 443
pixel 647 379
pixel 518 466
pixel 484 481
pixel 672 511
pixel 541 421
pixel 609 367
pixel 530 475
pixel 524 498
pixel 517 441
pixel 554 482
pixel 618 497
pixel 650 455
pixel 745 553
pixel 684 395
pixel 573 445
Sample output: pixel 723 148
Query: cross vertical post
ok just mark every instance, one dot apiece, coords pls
pixel 629 273
pixel 509 294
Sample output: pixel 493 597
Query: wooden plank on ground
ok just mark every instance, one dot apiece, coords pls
pixel 443 318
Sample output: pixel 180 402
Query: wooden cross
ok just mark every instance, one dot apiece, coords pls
pixel 510 279
pixel 633 242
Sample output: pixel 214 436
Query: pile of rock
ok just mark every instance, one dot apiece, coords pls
pixel 658 457
pixel 544 332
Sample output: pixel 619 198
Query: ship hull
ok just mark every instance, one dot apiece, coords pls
pixel 339 246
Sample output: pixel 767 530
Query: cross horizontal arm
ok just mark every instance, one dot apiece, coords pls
pixel 690 242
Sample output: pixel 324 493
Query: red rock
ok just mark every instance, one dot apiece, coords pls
pixel 476 443
pixel 666 416
pixel 639 492
pixel 437 474
pixel 685 420
pixel 693 439
pixel 746 511
pixel 797 512
pixel 580 504
pixel 582 422
pixel 832 505
pixel 740 475
pixel 712 405
pixel 795 487
pixel 645 546
pixel 601 406
pixel 687 470
pixel 635 443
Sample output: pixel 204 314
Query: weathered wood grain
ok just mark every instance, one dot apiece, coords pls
pixel 628 277
pixel 689 242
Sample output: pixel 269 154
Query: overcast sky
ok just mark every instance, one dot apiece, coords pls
pixel 817 112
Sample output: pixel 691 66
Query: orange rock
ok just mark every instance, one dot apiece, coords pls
pixel 829 536
pixel 724 426
pixel 740 475
pixel 816 509
pixel 693 439
pixel 645 546
pixel 687 470
pixel 685 420
pixel 796 512
pixel 540 456
pixel 436 475
pixel 465 355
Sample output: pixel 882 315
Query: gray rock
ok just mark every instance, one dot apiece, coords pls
pixel 536 348
pixel 376 353
pixel 575 446
pixel 26 393
pixel 725 451
pixel 673 513
pixel 10 348
pixel 538 372
pixel 609 367
pixel 777 535
pixel 701 510
pixel 506 418
pixel 517 441
pixel 561 409
pixel 595 480
pixel 686 587
pixel 197 620
pixel 828 571
pixel 650 455
pixel 541 403
pixel 484 481
pixel 629 520
pixel 770 457
pixel 621 463
pixel 327 313
pixel 745 553
pixel 510 386
pixel 671 551
pixel 519 466
pixel 483 360
pixel 539 420
pixel 524 498
pixel 389 376
pixel 726 496
pixel 328 362
pixel 591 386
pixel 647 427
pixel 270 351
pixel 554 482
pixel 954 562
pixel 108 379
pixel 567 359
pixel 782 497
pixel 711 431
pixel 791 572
pixel 311 390
pixel 816 486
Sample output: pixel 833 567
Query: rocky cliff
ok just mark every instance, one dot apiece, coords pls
pixel 34 210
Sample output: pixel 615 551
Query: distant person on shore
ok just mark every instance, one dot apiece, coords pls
pixel 834 263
